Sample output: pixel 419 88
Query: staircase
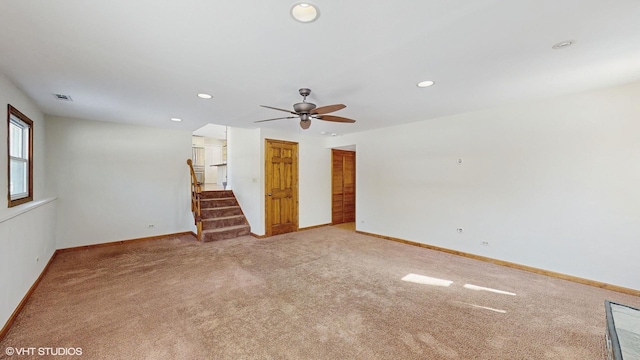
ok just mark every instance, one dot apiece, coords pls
pixel 221 216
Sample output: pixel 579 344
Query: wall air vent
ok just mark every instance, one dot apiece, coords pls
pixel 63 97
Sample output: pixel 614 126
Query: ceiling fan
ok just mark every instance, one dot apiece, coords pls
pixel 307 111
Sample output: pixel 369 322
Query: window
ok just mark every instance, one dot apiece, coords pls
pixel 20 129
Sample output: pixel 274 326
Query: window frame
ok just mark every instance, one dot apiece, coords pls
pixel 13 112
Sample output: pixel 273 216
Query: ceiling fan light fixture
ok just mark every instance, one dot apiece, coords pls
pixel 305 12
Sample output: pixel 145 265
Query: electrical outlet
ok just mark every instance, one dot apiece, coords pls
pixel 484 243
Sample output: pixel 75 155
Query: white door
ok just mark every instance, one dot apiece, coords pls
pixel 212 157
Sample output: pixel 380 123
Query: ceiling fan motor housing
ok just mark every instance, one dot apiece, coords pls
pixel 303 107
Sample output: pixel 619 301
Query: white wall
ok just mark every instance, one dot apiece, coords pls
pixel 551 184
pixel 114 180
pixel 246 175
pixel 315 182
pixel 26 231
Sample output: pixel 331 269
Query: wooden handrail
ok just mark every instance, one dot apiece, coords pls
pixel 195 199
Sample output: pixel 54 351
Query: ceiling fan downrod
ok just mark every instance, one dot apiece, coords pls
pixel 304 92
pixel 304 108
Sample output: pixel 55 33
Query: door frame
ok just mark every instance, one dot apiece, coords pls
pixel 295 174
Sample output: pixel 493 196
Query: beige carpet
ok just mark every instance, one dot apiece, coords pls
pixel 347 226
pixel 325 293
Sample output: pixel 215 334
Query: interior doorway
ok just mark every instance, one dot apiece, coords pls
pixel 212 158
pixel 210 149
pixel 343 186
pixel 281 187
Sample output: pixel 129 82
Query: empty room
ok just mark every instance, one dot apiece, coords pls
pixel 320 180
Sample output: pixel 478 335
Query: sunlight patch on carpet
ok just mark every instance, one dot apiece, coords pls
pixel 481 288
pixel 487 308
pixel 425 280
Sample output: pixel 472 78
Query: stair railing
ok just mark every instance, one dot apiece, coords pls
pixel 195 199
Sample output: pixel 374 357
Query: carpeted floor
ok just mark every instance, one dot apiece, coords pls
pixel 347 226
pixel 326 293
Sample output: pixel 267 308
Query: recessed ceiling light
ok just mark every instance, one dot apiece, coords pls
pixel 426 83
pixel 204 96
pixel 176 119
pixel 563 44
pixel 305 12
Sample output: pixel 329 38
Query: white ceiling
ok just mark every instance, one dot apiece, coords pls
pixel 144 61
pixel 212 131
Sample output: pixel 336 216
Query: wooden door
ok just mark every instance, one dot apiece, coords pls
pixel 343 185
pixel 281 187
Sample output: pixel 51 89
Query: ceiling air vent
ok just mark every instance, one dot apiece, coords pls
pixel 63 97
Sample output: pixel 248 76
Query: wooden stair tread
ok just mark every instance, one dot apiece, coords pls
pixel 227 228
pixel 221 207
pixel 223 218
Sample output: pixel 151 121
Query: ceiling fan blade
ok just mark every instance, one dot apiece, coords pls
pixel 327 109
pixel 334 118
pixel 274 108
pixel 280 118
